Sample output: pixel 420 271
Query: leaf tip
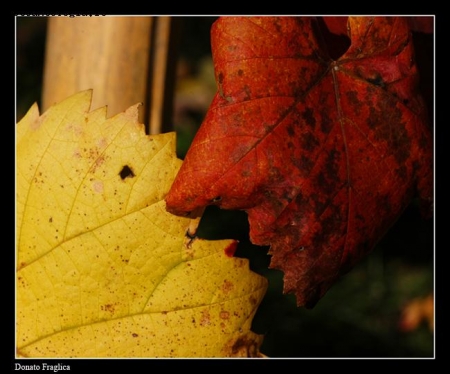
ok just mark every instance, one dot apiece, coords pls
pixel 231 249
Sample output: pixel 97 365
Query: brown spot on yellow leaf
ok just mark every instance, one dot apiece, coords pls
pixel 227 286
pixel 244 346
pixel 205 318
pixel 97 186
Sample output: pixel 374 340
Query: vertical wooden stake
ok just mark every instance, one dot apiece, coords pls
pixel 107 54
pixel 163 73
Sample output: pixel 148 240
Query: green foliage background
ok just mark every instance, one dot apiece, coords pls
pixel 359 316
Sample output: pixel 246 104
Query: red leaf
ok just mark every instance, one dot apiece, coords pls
pixel 336 24
pixel 323 155
pixel 423 24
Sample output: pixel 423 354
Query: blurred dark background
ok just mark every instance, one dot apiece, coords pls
pixel 380 309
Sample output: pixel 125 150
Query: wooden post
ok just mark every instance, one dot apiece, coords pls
pixel 162 74
pixel 110 55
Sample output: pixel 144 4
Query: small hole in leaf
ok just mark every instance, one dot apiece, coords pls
pixel 126 172
pixel 216 199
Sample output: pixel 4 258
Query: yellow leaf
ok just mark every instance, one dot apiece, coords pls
pixel 102 269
